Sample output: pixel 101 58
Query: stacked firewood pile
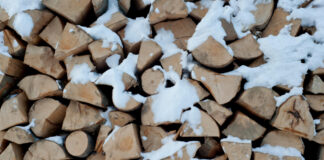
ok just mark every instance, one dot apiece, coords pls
pixel 161 79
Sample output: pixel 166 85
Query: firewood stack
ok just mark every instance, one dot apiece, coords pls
pixel 161 79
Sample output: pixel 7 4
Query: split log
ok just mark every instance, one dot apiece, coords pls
pixel 244 127
pixel 12 152
pixel 201 92
pixel 6 84
pixel 216 111
pixel 18 135
pixel 44 149
pixel 294 116
pixel 262 15
pixel 39 86
pixel 4 18
pixel 185 153
pixel 73 40
pixel 16 47
pixel 14 111
pixel 316 102
pixel 102 135
pixel 257 62
pixel 152 137
pixel 125 5
pixel 99 6
pixel 235 150
pixel 88 93
pixel 96 156
pixel 259 101
pixel 246 48
pixel 48 115
pixel 151 80
pixel 42 59
pixel 12 67
pixel 116 22
pixel 212 54
pixel 81 117
pixel 79 144
pixel 265 156
pixel 210 148
pixel 167 10
pixel 132 47
pixel 100 54
pixel 123 143
pixel 316 85
pixel 70 62
pixel 284 139
pixel 74 10
pixel 149 52
pixel 172 63
pixel 229 30
pixel 222 87
pixel 118 118
pixel 199 12
pixel 51 34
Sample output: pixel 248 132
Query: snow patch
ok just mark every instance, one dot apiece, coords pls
pixel 57 139
pixel 293 92
pixel 113 7
pixel 193 117
pixel 3 48
pixel 105 115
pixel 15 6
pixel 111 135
pixel 81 73
pixel 23 24
pixel 113 60
pixel 279 151
pixel 27 128
pixel 233 139
pixel 190 6
pixel 137 30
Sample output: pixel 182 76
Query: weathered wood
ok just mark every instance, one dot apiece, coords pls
pixel 185 153
pixel 167 9
pixel 16 47
pixel 216 111
pixel 316 102
pixel 12 152
pixel 229 30
pixel 12 67
pixel 51 34
pixel 118 118
pixel 149 52
pixel 234 151
pixel 210 148
pixel 199 12
pixel 79 144
pixel 246 48
pixel 6 84
pixel 19 136
pixel 151 137
pixel 262 14
pixel 316 85
pixel 132 47
pixel 44 149
pixel 102 135
pixel 201 92
pixel 99 6
pixel 151 80
pixel 116 22
pixel 172 63
pixel 96 156
pixel 319 137
pixel 3 142
pixel 125 5
pixel 70 62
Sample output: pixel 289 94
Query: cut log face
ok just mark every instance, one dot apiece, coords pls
pixel 151 80
pixel 102 135
pixel 246 48
pixel 16 47
pixel 40 19
pixel 199 12
pixel 12 152
pixel 149 52
pixel 262 14
pixel 100 54
pixel 123 143
pixel 79 144
pixel 10 66
pixel 70 62
pixel 52 32
pixel 39 86
pixel 3 142
pixel 42 59
pixel 14 111
pixel 73 41
pixel 234 151
pixel 75 10
pixel 81 117
pixel 88 93
pixel 182 30
pixel 210 148
pixel 216 111
pixel 212 54
pixel 259 101
pixel 48 115
pixel 132 47
pixel 19 136
pixel 118 118
pixel 244 128
pixel 284 139
pixel 151 137
pixel 278 21
pixel 6 84
pixel 316 102
pixel 125 5
pixel 222 87
pixel 316 85
pixel 186 152
pixel 294 116
pixel 172 62
pixel 167 9
pixel 201 92
pixel 206 128
pixel 45 149
pixel 99 6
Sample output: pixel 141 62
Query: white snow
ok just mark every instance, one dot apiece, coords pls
pixel 23 24
pixel 233 139
pixel 3 48
pixel 193 117
pixel 148 2
pixel 157 10
pixel 293 92
pixel 279 151
pixel 59 84
pixel 206 3
pixel 137 30
pixel 289 5
pixel 101 32
pixel 57 139
pixel 317 121
pixel 112 8
pixel 15 6
pixel 144 138
pixel 81 73
pixel 27 128
pixel 15 43
pixel 105 115
pixel 111 135
pixel 113 60
pixel 190 6
pixel 71 30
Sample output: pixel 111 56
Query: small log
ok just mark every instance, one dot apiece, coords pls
pixel 42 59
pixel 39 86
pixel 79 144
pixel 149 52
pixel 152 137
pixel 222 87
pixel 259 101
pixel 210 148
pixel 99 7
pixel 172 63
pixel 6 84
pixel 123 143
pixel 19 135
pixel 118 118
pixel 167 10
pixel 14 111
pixel 244 127
pixel 44 149
pixel 81 117
pixel 125 5
pixel 201 92
pixel 284 139
pixel 70 62
pixel 74 10
pixel 316 102
pixel 102 135
pixel 16 47
pixel 3 142
pixel 132 47
pixel 316 85
pixel 216 111
pixel 234 150
pixel 294 116
pixel 12 152
pixel 48 115
pixel 212 54
pixel 246 48
pixel 151 80
pixel 262 15
pixel 51 34
pixel 73 40
pixel 12 67
pixel 100 54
